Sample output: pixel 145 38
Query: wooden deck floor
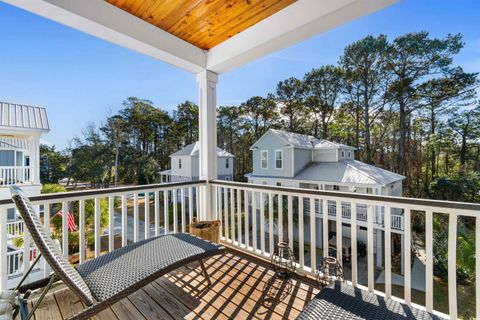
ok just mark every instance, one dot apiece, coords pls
pixel 242 288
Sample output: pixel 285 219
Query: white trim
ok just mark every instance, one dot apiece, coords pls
pixel 297 22
pixel 281 152
pixel 261 159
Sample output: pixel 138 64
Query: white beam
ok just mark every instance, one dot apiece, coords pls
pixel 207 94
pixel 112 24
pixel 297 22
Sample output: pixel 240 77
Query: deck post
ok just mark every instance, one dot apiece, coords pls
pixel 207 94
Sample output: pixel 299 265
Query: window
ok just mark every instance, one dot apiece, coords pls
pixel 336 188
pixel 227 178
pixel 349 154
pixel 227 163
pixel 278 159
pixel 343 154
pixel 180 163
pixel 264 159
pixel 279 184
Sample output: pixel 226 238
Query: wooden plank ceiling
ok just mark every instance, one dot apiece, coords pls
pixel 203 23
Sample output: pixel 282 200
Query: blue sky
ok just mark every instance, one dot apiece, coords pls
pixel 80 78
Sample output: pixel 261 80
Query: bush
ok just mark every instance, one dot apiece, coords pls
pixel 53 188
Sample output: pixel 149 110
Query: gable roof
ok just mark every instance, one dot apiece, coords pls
pixel 303 141
pixel 193 148
pixel 14 115
pixel 348 171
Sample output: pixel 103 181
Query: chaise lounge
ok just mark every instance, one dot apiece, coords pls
pixel 103 281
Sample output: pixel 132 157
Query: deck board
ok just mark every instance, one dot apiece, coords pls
pixel 242 288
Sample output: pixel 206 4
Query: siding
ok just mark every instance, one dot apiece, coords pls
pixel 270 143
pixel 324 155
pixel 302 158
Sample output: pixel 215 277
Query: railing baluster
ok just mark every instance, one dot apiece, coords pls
pixel 220 210
pixel 146 210
pixel 388 254
pixel 262 223
pixel 270 223
pixel 124 221
pixel 175 210
pixel 232 214
pixel 239 216
pixel 135 217
pixel 157 213
pixel 197 202
pixel 96 227
pixel 429 262
pixel 226 208
pixel 46 224
pixel 166 210
pixel 81 228
pixel 353 242
pixel 407 264
pixel 183 221
pixel 64 232
pixel 325 227
pixel 111 221
pixel 370 262
pixel 338 235
pixel 190 203
pixel 280 217
pixel 290 222
pixel 254 221
pixel 313 245
pixel 247 226
pixel 301 234
pixel 452 265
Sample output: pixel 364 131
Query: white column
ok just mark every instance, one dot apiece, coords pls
pixel 207 93
pixel 34 159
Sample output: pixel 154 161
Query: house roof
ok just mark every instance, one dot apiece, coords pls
pixel 348 171
pixel 325 144
pixel 192 150
pixel 303 141
pixel 14 115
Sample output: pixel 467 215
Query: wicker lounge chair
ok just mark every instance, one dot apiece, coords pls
pixel 107 279
pixel 342 301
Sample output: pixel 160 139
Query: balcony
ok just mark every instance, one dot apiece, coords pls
pixel 10 175
pixel 254 218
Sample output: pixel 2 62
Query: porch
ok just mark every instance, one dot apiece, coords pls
pixel 242 287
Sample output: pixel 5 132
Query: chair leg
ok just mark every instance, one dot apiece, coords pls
pixel 205 272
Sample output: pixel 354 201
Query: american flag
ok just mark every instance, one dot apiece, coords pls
pixel 70 221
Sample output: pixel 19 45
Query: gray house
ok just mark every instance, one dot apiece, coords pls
pixel 288 159
pixel 184 165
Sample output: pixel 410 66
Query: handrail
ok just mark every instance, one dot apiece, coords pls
pixel 106 192
pixel 356 196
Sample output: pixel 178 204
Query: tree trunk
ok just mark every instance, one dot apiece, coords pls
pixel 402 139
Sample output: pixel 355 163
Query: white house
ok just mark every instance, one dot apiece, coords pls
pixel 184 165
pixel 21 127
pixel 288 159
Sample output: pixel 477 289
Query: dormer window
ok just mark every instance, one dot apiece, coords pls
pixel 264 159
pixel 179 163
pixel 343 154
pixel 227 163
pixel 349 154
pixel 278 159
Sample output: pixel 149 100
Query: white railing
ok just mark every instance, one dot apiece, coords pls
pixel 15 228
pixel 254 218
pixel 14 175
pixel 15 260
pixel 128 220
